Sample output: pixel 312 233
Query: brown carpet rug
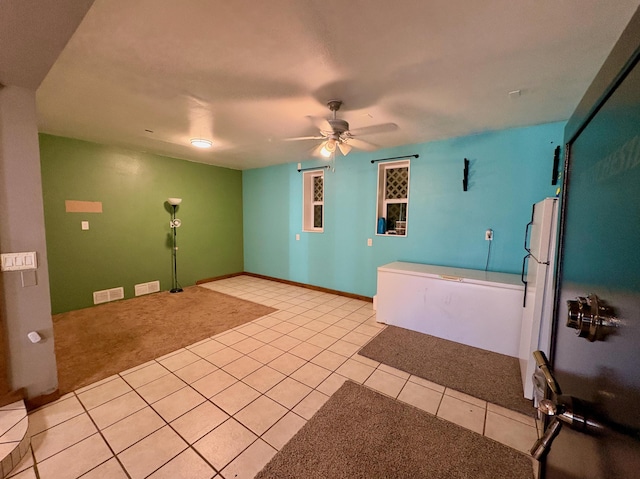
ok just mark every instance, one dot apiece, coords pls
pixel 483 374
pixel 360 433
pixel 95 343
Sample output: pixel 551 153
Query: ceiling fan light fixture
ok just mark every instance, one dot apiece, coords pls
pixel 344 148
pixel 201 143
pixel 325 152
pixel 328 148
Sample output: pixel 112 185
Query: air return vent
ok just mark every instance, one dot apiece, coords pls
pixel 116 293
pixel 100 297
pixel 146 288
pixel 107 295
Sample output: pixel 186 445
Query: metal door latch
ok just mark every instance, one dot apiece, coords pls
pixel 563 410
pixel 591 318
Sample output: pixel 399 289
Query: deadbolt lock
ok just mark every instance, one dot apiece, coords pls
pixel 591 318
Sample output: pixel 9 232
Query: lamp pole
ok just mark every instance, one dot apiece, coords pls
pixel 175 287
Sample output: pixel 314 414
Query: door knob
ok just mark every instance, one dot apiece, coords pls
pixel 591 318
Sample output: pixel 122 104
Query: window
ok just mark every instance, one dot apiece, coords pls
pixel 313 201
pixel 393 198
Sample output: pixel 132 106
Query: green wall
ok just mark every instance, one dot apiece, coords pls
pixel 129 242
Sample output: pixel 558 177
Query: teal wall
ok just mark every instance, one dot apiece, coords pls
pixel 509 171
pixel 129 243
pixel 235 221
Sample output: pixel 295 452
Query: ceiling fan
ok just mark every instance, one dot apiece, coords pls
pixel 336 133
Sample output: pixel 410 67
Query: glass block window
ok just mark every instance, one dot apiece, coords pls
pixel 397 183
pixel 313 201
pixel 318 188
pixel 393 198
pixel 317 216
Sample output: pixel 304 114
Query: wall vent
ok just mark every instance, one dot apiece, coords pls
pixel 147 288
pixel 100 297
pixel 116 293
pixel 107 295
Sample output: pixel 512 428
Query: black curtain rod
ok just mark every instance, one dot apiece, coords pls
pixel 395 158
pixel 313 168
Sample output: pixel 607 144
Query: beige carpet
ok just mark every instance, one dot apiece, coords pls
pixel 94 343
pixel 360 433
pixel 483 374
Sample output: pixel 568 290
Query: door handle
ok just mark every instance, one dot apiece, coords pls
pixel 526 231
pixel 524 281
pixel 562 409
pixel 543 364
pixel 591 318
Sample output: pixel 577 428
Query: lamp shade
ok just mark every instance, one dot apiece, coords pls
pixel 174 201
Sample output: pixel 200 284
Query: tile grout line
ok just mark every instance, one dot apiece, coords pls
pixel 209 400
pixel 35 464
pixel 365 318
pixel 86 411
pixel 288 410
pixel 56 425
pixel 189 446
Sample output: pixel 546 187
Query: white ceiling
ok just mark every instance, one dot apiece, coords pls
pixel 32 35
pixel 248 74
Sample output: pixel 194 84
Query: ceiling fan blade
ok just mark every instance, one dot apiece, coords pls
pixel 320 123
pixel 369 130
pixel 299 138
pixel 363 145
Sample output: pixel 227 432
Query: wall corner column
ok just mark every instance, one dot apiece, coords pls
pixel 24 297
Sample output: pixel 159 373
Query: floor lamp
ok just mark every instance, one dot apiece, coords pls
pixel 175 223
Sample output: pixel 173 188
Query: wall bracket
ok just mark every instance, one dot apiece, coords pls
pixel 313 168
pixel 556 165
pixel 465 178
pixel 395 158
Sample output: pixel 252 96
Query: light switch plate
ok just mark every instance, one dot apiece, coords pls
pixel 369 242
pixel 19 261
pixel 85 225
pixel 29 278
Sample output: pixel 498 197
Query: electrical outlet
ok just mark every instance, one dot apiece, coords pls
pixel 488 235
pixel 369 242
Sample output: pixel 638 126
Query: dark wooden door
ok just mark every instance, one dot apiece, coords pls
pixel 600 254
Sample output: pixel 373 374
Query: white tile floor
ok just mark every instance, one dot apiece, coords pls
pixel 13 440
pixel 225 405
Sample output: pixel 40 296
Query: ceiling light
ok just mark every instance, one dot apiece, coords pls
pixel 201 143
pixel 324 152
pixel 344 148
pixel 328 148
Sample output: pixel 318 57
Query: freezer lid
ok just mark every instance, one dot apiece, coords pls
pixel 448 273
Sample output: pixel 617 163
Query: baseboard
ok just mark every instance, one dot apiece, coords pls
pixel 216 278
pixel 292 283
pixel 38 401
pixel 12 397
